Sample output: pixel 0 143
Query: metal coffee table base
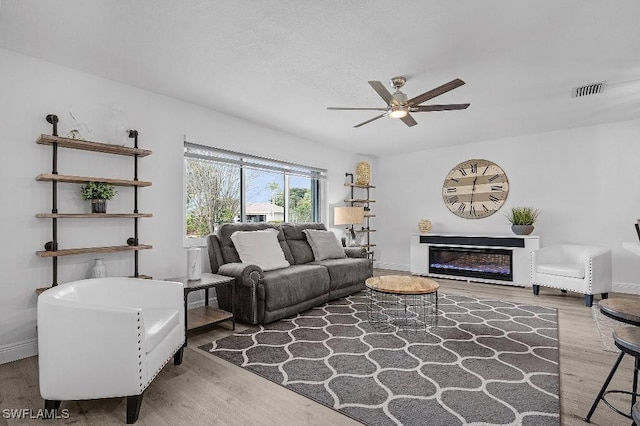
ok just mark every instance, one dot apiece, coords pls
pixel 405 311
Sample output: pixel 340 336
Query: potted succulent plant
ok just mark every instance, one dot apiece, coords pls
pixel 98 193
pixel 522 219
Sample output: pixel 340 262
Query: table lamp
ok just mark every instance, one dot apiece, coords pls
pixel 344 215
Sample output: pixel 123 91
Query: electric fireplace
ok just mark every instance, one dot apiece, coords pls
pixel 487 263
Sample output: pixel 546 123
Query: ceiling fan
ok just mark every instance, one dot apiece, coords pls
pixel 399 106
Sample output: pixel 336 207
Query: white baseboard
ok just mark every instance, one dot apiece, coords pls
pixel 392 266
pixel 627 288
pixel 19 350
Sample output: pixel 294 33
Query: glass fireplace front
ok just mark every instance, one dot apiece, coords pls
pixel 488 263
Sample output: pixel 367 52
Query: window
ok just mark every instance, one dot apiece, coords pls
pixel 223 186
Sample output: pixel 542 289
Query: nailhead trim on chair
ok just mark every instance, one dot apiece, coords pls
pixel 531 268
pixel 162 366
pixel 590 276
pixel 140 354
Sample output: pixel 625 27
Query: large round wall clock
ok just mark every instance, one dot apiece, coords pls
pixel 475 189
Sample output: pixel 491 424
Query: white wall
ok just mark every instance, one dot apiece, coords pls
pixel 585 181
pixel 30 89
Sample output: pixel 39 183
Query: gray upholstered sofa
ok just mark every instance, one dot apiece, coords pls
pixel 264 297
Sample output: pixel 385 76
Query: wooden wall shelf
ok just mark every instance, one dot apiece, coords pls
pixel 48 177
pixel 92 215
pixel 359 200
pixel 92 146
pixel 357 185
pixel 56 142
pixel 105 249
pixel 364 200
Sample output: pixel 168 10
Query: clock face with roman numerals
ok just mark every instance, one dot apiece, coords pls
pixel 475 189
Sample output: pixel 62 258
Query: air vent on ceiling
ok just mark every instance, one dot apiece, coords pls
pixel 587 89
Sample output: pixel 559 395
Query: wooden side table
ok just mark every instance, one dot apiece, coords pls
pixel 205 315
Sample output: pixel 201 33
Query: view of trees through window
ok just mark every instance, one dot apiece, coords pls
pixel 214 194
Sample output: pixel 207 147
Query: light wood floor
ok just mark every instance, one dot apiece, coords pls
pixel 207 390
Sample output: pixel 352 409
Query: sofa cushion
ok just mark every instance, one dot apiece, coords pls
pixel 158 323
pixel 324 244
pixel 260 248
pixel 297 241
pixel 293 285
pixel 570 270
pixel 346 272
pixel 228 250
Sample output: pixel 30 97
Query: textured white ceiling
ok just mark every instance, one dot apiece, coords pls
pixel 281 63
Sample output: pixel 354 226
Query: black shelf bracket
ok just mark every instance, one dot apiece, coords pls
pixel 133 134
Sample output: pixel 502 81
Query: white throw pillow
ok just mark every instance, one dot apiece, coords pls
pixel 324 244
pixel 260 248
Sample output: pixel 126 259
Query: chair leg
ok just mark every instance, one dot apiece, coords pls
pixel 177 357
pixel 604 387
pixel 51 407
pixel 605 296
pixel 588 300
pixel 133 408
pixel 536 289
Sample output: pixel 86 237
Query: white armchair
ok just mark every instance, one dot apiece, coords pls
pixel 578 268
pixel 107 337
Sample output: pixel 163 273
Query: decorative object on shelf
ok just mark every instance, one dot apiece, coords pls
pixel 475 189
pixel 363 173
pixel 74 134
pixel 99 269
pixel 98 193
pixel 522 219
pixel 116 125
pixel 77 130
pixel 424 225
pixel 345 215
pixel 194 263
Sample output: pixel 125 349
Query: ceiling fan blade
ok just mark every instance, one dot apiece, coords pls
pixel 356 109
pixel 436 92
pixel 408 120
pixel 383 92
pixel 369 121
pixel 450 107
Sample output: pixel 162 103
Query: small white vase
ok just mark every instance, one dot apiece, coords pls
pixel 99 269
pixel 194 264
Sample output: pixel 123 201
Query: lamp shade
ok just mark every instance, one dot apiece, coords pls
pixel 348 215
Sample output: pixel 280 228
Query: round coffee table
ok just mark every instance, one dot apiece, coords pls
pixel 406 301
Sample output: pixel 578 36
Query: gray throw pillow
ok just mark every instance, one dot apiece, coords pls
pixel 324 244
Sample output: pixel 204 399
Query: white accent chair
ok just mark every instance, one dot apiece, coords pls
pixel 572 267
pixel 107 337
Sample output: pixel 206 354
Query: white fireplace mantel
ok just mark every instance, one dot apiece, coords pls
pixel 521 247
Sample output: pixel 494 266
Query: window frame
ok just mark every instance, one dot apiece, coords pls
pixel 318 177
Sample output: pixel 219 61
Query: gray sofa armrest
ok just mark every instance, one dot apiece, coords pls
pixel 246 298
pixel 245 274
pixel 355 251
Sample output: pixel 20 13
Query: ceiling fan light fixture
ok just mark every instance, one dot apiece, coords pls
pixel 398 111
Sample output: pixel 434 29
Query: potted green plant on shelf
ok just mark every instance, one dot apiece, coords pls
pixel 98 193
pixel 522 219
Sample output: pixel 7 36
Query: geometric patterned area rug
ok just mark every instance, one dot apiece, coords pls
pixel 486 362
